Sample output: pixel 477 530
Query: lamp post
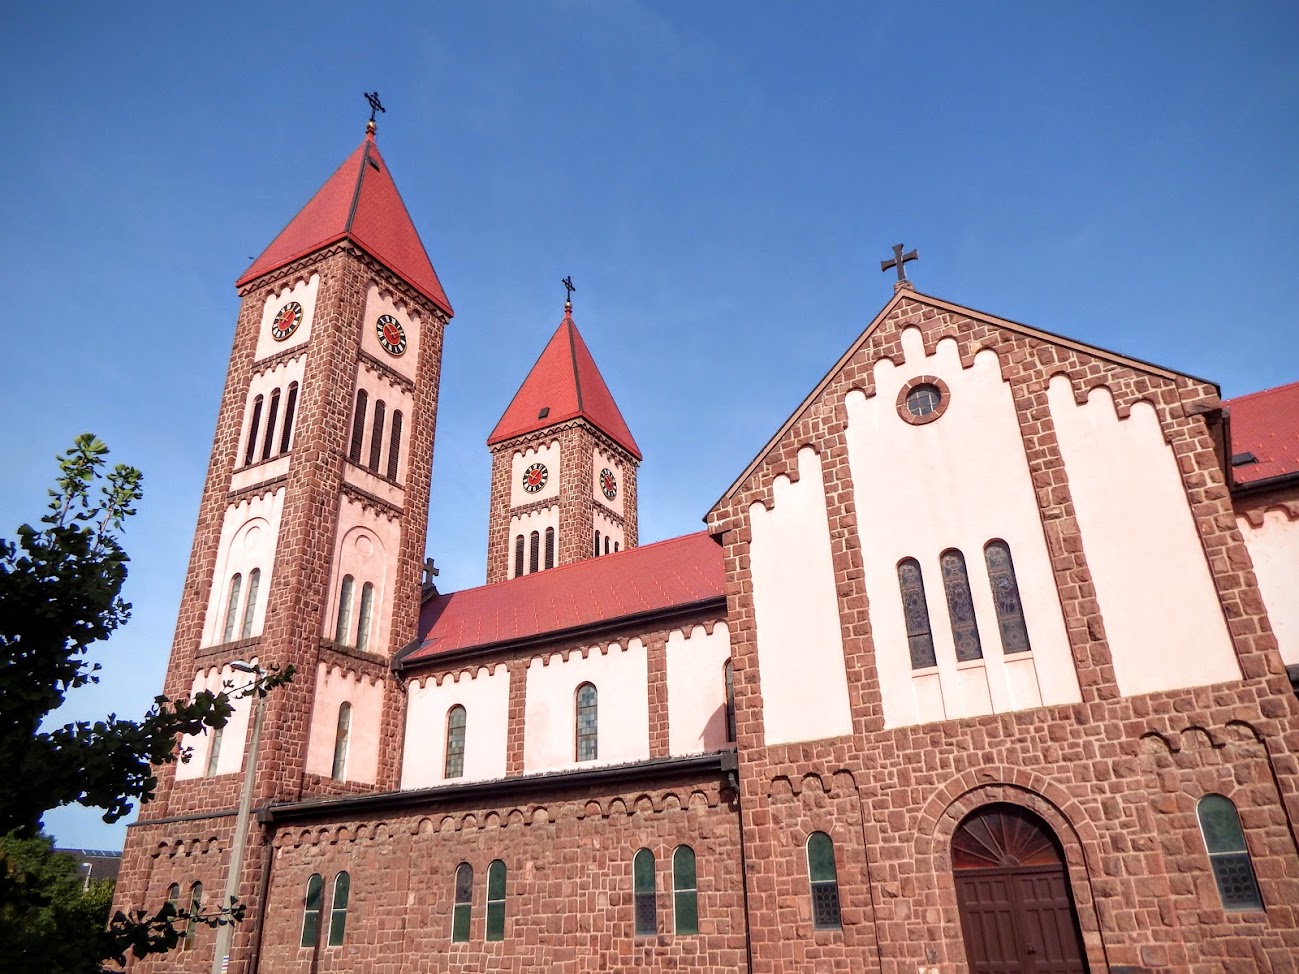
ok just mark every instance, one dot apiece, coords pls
pixel 226 931
pixel 90 868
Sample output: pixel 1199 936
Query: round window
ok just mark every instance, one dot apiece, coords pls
pixel 924 399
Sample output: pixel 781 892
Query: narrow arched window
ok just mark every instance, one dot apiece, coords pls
pixel 597 542
pixel 269 440
pixel 824 880
pixel 358 427
pixel 290 408
pixel 232 608
pixel 518 556
pixel 338 909
pixel 394 445
pixel 1224 840
pixel 534 551
pixel 615 546
pixel 496 900
pixel 643 894
pixel 342 741
pixel 376 434
pixel 311 910
pixel 214 750
pixel 960 606
pixel 587 723
pixel 550 547
pixel 254 426
pixel 915 609
pixel 463 902
pixel 250 606
pixel 344 611
pixel 685 892
pixel 606 544
pixel 1005 596
pixel 173 896
pixel 455 763
pixel 363 620
pixel 729 672
pixel 195 908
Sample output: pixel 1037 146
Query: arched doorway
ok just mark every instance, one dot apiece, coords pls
pixel 1012 887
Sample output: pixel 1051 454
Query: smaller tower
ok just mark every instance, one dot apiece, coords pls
pixel 563 466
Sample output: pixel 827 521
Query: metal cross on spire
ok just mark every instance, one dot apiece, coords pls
pixel 568 286
pixel 899 261
pixel 375 105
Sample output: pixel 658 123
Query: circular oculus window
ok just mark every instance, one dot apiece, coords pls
pixel 923 400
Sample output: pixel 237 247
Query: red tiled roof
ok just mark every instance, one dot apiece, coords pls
pixel 567 382
pixel 1266 424
pixel 659 576
pixel 360 201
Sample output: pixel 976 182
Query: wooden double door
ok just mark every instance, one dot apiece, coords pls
pixel 1012 887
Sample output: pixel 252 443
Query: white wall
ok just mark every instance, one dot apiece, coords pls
pixel 334 688
pixel 601 460
pixel 546 454
pixel 377 304
pixel 485 694
pixel 234 737
pixel 367 546
pixel 796 611
pixel 621 678
pixel 1274 549
pixel 957 482
pixel 249 536
pixel 1162 616
pixel 608 528
pixel 525 524
pixel 303 292
pixel 696 662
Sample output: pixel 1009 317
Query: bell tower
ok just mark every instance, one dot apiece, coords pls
pixel 311 528
pixel 563 466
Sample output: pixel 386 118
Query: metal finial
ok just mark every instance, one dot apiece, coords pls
pixel 899 261
pixel 568 286
pixel 375 106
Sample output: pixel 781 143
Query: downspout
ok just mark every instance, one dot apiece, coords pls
pixel 731 765
pixel 264 819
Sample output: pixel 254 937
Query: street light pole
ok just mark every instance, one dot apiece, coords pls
pixel 226 931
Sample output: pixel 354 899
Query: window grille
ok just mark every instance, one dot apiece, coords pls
pixel 394 445
pixel 268 441
pixel 643 894
pixel 685 892
pixel 518 556
pixel 1224 840
pixel 550 547
pixel 496 900
pixel 254 426
pixel 587 723
pixel 824 881
pixel 464 894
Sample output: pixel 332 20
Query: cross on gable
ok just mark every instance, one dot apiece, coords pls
pixel 899 261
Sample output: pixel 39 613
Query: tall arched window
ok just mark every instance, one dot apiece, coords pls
pixel 268 442
pixel 214 750
pixel 729 673
pixel 311 910
pixel 643 894
pixel 550 547
pixel 358 427
pixel 587 723
pixel 685 892
pixel 195 908
pixel 342 741
pixel 915 609
pixel 232 608
pixel 1224 841
pixel 463 902
pixel 824 880
pixel 518 556
pixel 606 544
pixel 394 445
pixel 344 626
pixel 376 434
pixel 496 900
pixel 290 408
pixel 363 620
pixel 960 606
pixel 250 606
pixel 615 547
pixel 1005 596
pixel 338 909
pixel 597 542
pixel 173 896
pixel 455 763
pixel 254 426
pixel 534 551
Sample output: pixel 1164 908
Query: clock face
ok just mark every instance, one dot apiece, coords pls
pixel 534 478
pixel 286 321
pixel 391 335
pixel 608 483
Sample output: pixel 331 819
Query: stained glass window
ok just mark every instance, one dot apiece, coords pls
pixel 463 902
pixel 1224 840
pixel 643 894
pixel 1005 595
pixel 496 901
pixel 232 608
pixel 960 607
pixel 342 741
pixel 338 909
pixel 923 399
pixel 358 427
pixel 250 606
pixel 685 891
pixel 915 609
pixel 363 620
pixel 730 701
pixel 587 723
pixel 455 763
pixel 311 911
pixel 824 880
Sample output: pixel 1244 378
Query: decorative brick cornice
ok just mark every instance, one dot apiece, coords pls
pixel 256 490
pixel 369 501
pixel 386 371
pixel 271 362
pixel 524 441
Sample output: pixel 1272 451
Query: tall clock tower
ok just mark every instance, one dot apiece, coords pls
pixel 563 466
pixel 311 529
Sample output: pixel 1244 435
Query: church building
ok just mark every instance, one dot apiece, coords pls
pixel 980 665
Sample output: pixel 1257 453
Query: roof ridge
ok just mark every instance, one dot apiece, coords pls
pixel 1262 392
pixel 572 359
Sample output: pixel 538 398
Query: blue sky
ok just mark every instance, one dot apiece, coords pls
pixel 720 180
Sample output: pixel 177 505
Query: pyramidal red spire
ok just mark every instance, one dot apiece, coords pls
pixel 359 202
pixel 564 384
